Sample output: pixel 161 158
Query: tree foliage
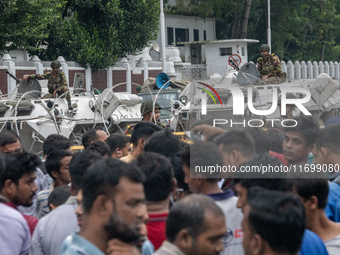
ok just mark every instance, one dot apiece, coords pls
pixel 25 20
pixel 96 32
pixel 300 29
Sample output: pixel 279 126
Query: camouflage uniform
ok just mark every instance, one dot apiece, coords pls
pixel 59 83
pixel 270 65
pixel 129 128
pixel 145 108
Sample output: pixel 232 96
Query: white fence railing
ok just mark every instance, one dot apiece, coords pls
pixel 295 71
pixel 194 72
pixel 309 70
pixel 35 64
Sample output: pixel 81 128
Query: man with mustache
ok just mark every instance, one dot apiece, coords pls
pixel 114 208
pixel 10 143
pixel 17 182
pixel 195 226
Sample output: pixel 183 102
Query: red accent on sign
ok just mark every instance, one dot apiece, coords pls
pixel 232 57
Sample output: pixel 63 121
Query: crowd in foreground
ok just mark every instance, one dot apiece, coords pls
pixel 112 199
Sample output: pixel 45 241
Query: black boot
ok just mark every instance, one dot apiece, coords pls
pixel 70 107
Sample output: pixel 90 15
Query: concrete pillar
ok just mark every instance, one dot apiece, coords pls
pixel 326 68
pixel 283 66
pixel 144 65
pixel 315 69
pixel 297 70
pixel 331 69
pixel 321 67
pixel 37 64
pixel 11 83
pixel 336 70
pixel 109 80
pixel 127 67
pixel 290 70
pixel 303 70
pixel 309 70
pixel 88 78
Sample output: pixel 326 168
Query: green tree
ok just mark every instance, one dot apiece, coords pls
pixel 22 21
pixel 301 29
pixel 96 32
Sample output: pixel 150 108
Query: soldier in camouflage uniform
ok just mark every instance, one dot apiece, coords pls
pixel 148 115
pixel 269 66
pixel 57 83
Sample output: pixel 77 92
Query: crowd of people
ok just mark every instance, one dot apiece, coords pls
pixel 142 195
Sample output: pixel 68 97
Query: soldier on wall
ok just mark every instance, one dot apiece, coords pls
pixel 269 66
pixel 57 83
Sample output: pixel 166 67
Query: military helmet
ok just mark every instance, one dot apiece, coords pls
pixel 55 63
pixel 147 106
pixel 265 47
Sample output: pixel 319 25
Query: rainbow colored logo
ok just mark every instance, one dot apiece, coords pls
pixel 209 93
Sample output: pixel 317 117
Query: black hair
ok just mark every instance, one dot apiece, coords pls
pixel 17 165
pixel 2 170
pixel 104 175
pixel 308 187
pixel 276 140
pixel 329 137
pixel 167 144
pixel 189 213
pixel 163 142
pixel 79 165
pixel 8 137
pixel 100 147
pixel 261 139
pixel 204 155
pixel 177 165
pixel 143 129
pixel 53 161
pixel 237 139
pixel 60 145
pixel 270 180
pixel 306 125
pixel 159 175
pixel 117 141
pixel 89 137
pixel 54 142
pixel 278 218
pixel 185 155
pixel 59 195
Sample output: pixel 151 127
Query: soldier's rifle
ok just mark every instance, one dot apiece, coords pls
pixel 232 62
pixel 13 77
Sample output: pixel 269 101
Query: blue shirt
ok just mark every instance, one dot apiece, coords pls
pixel 332 209
pixel 312 244
pixel 77 245
pixel 147 248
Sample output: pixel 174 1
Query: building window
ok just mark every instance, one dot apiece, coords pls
pixel 205 35
pixel 196 35
pixel 226 51
pixel 243 51
pixel 182 35
pixel 170 35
